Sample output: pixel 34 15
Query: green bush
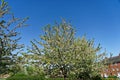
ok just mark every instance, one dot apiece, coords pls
pixel 2 79
pixel 112 77
pixel 32 78
pixel 26 78
pixel 54 79
pixel 98 77
pixel 22 76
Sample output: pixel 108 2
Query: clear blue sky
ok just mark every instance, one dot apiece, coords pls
pixel 98 19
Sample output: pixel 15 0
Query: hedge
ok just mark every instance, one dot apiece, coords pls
pixel 32 78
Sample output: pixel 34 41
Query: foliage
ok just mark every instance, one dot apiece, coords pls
pixel 87 63
pixel 9 37
pixel 26 77
pixel 2 79
pixel 20 74
pixel 4 9
pixel 28 64
pixel 33 78
pixel 98 77
pixel 57 43
pixel 112 77
pixel 64 55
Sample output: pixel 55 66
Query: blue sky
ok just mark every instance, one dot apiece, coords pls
pixel 98 19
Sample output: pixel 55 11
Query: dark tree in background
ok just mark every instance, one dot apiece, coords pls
pixel 9 37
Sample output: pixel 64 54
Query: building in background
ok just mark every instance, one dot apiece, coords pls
pixel 113 67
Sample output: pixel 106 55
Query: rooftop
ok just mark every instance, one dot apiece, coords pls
pixel 115 59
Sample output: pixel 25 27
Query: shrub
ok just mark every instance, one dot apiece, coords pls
pixel 23 76
pixel 26 78
pixel 20 74
pixel 33 78
pixel 98 77
pixel 2 79
pixel 112 77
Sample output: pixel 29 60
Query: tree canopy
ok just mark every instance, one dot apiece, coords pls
pixel 63 54
pixel 9 37
pixel 58 53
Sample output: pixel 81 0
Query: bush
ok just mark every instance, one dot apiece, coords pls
pixel 2 79
pixel 22 76
pixel 98 77
pixel 54 79
pixel 26 78
pixel 32 78
pixel 112 77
